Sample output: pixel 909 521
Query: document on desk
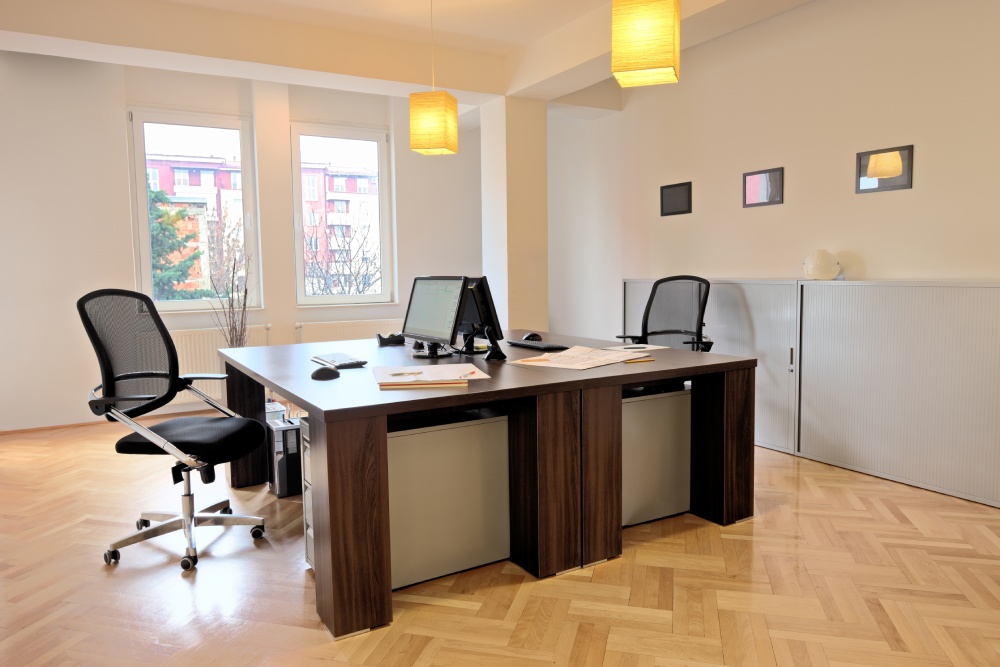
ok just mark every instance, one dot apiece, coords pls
pixel 580 358
pixel 636 347
pixel 444 375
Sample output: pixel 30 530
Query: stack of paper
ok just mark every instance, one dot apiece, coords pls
pixel 444 375
pixel 580 358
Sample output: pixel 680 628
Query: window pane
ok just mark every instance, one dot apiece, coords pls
pixel 196 230
pixel 340 183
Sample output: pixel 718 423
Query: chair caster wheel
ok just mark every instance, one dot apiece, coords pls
pixel 257 532
pixel 141 523
pixel 111 556
pixel 188 562
pixel 226 510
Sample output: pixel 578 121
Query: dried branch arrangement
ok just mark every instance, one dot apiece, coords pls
pixel 231 317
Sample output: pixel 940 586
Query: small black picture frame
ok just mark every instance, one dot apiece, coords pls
pixel 675 199
pixel 764 188
pixel 896 164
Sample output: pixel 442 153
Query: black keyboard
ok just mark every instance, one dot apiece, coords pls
pixel 339 360
pixel 538 345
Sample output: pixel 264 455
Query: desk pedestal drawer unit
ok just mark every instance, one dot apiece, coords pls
pixel 307 496
pixel 656 456
pixel 448 499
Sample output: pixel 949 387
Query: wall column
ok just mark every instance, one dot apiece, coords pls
pixel 515 210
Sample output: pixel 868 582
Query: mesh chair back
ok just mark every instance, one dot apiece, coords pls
pixel 133 346
pixel 675 312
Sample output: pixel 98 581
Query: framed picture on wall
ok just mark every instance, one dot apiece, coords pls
pixel 884 169
pixel 675 199
pixel 764 188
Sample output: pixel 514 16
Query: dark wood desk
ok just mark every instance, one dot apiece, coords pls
pixel 565 453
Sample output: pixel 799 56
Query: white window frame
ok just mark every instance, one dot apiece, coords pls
pixel 386 214
pixel 136 117
pixel 211 177
pixel 153 174
pixel 236 180
pixel 357 185
pixel 340 184
pixel 187 177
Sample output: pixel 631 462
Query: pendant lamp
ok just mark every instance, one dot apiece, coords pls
pixel 433 116
pixel 885 165
pixel 645 41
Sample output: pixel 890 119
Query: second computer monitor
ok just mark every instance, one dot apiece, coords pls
pixel 478 318
pixel 433 312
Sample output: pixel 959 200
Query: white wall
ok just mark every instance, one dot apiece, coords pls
pixel 67 223
pixel 806 91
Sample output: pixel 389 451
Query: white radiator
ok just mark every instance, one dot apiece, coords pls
pixel 197 352
pixel 318 332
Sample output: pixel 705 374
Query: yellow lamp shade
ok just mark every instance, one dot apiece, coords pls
pixel 433 123
pixel 885 165
pixel 645 41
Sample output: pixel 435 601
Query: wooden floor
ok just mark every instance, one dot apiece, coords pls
pixel 835 569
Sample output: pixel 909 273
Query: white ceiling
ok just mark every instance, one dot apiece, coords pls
pixel 491 26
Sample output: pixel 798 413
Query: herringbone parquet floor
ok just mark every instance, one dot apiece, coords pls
pixel 836 569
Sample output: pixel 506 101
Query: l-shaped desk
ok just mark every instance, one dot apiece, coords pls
pixel 565 453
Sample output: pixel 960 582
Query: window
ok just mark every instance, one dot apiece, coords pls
pixel 309 219
pixel 186 238
pixel 312 243
pixel 356 263
pixel 310 187
pixel 153 178
pixel 362 186
pixel 236 179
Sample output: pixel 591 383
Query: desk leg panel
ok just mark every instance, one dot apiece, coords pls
pixel 601 445
pixel 545 484
pixel 351 523
pixel 722 412
pixel 245 397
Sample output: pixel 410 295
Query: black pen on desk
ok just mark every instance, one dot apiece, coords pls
pixel 634 347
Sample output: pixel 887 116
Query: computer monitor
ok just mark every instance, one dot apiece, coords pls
pixel 432 314
pixel 478 318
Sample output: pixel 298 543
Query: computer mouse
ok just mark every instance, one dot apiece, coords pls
pixel 532 336
pixel 325 373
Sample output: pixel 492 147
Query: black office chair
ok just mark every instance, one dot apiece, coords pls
pixel 675 314
pixel 139 373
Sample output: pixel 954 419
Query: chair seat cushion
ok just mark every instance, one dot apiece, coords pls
pixel 211 439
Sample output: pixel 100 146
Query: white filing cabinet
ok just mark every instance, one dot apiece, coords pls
pixel 656 456
pixel 449 499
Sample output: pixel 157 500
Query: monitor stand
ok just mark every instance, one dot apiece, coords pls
pixel 494 353
pixel 430 351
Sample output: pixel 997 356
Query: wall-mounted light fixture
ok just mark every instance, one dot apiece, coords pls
pixel 433 116
pixel 645 41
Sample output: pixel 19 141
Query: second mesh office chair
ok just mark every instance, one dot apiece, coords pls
pixel 139 373
pixel 674 314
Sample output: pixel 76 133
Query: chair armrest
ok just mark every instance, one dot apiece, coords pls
pixel 102 405
pixel 632 338
pixel 191 377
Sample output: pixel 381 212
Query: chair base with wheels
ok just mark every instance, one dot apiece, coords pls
pixel 219 514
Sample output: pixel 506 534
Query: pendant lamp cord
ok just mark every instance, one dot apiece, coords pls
pixel 432 45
